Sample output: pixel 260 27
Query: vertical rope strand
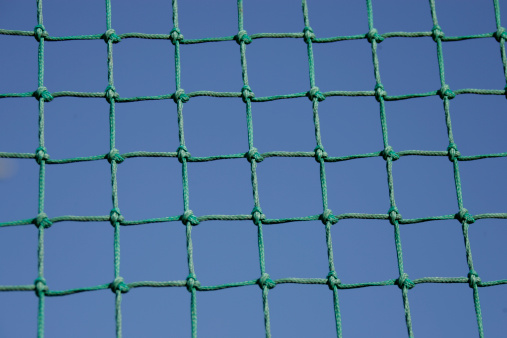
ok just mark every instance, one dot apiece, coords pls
pixel 118 286
pixel 327 218
pixel 465 219
pixel 253 156
pixel 188 218
pixel 501 35
pixel 41 295
pixel 40 283
pixel 389 155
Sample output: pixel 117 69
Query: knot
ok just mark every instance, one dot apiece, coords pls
pixel 464 216
pixel 320 154
pixel 188 216
pixel 114 156
pixel 115 217
pixel 40 286
pixel 473 278
pixel 242 37
pixel 445 91
pixel 175 35
pixel 315 93
pixel 110 35
pixel 43 93
pixel 192 282
pixel 253 155
pixel 180 95
pixel 258 216
pixel 119 285
pixel 247 93
pixel 40 32
pixel 182 153
pixel 308 34
pixel 394 215
pixel 404 281
pixel 327 216
pixel 266 281
pixel 388 152
pixel 373 35
pixel 41 155
pixel 110 93
pixel 437 33
pixel 499 34
pixel 42 220
pixel 380 92
pixel 452 152
pixel 332 280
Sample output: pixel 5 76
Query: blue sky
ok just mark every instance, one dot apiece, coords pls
pixel 81 254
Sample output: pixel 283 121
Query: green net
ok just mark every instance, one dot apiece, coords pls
pixel 191 283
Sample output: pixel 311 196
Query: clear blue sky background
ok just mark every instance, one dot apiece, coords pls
pixel 81 254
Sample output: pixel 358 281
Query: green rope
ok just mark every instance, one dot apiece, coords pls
pixel 389 156
pixel 41 157
pixel 254 157
pixel 446 94
pixel 316 96
pixel 182 153
pixel 118 286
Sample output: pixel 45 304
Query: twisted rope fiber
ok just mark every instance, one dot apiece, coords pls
pixel 119 286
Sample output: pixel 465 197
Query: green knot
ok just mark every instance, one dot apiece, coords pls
pixel 315 93
pixel 180 95
pixel 110 35
pixel 394 215
pixel 328 217
pixel 332 280
pixel 114 156
pixel 373 35
pixel 380 92
pixel 246 93
pixel 388 152
pixel 40 32
pixel 175 35
pixel 258 216
pixel 464 216
pixel 115 217
pixel 242 36
pixel 437 33
pixel 253 155
pixel 320 154
pixel 499 34
pixel 308 34
pixel 42 220
pixel 43 93
pixel 192 282
pixel 41 155
pixel 110 93
pixel 265 281
pixel 40 286
pixel 404 282
pixel 445 91
pixel 119 285
pixel 452 152
pixel 188 216
pixel 473 279
pixel 182 153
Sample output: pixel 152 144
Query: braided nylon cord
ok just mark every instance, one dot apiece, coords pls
pixel 118 286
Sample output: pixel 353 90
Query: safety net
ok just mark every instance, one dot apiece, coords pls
pixel 115 157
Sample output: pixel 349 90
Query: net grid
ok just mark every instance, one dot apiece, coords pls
pixel 114 157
